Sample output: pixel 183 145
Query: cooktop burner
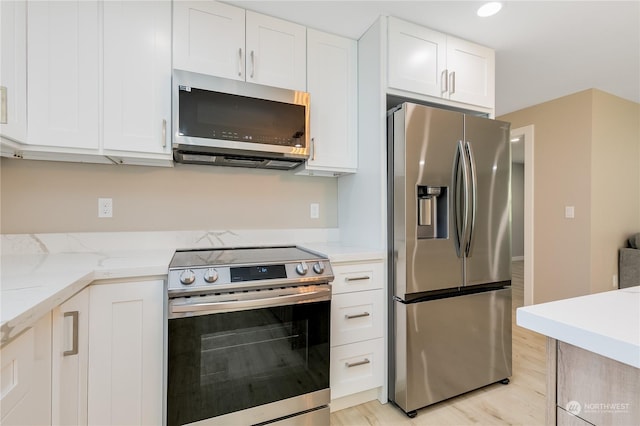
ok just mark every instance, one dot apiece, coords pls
pixel 205 271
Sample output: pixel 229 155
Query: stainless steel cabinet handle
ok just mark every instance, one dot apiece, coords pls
pixel 444 81
pixel 74 347
pixel 452 83
pixel 362 278
pixel 364 314
pixel 164 132
pixel 3 105
pixel 240 62
pixel 355 364
pixel 253 64
pixel 313 149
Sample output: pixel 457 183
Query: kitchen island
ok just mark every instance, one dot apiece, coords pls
pixel 593 356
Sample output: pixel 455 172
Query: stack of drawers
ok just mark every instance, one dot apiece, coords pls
pixel 357 328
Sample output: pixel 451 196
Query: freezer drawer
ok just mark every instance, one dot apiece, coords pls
pixel 445 347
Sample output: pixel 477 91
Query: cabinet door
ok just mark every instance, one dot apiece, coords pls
pixel 471 72
pixel 416 58
pixel 63 77
pixel 70 355
pixel 137 75
pixel 13 70
pixel 125 353
pixel 208 37
pixel 276 52
pixel 332 84
pixel 25 378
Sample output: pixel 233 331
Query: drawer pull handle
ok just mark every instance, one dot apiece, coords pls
pixel 355 364
pixel 74 336
pixel 364 314
pixel 362 278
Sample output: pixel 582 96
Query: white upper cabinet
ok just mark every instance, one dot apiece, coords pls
pixel 276 52
pixel 63 73
pixel 218 39
pixel 430 63
pixel 137 76
pixel 208 37
pixel 13 70
pixel 416 58
pixel 332 83
pixel 472 72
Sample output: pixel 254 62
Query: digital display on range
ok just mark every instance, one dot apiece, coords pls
pixel 253 273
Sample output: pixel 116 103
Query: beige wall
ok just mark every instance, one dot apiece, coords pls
pixel 615 183
pixel 575 160
pixel 45 196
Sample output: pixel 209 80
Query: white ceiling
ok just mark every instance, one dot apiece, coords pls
pixel 544 49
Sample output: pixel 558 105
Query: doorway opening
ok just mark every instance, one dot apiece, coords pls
pixel 522 153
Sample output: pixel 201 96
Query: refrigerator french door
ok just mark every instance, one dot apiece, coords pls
pixel 449 237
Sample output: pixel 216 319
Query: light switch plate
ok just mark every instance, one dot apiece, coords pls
pixel 569 212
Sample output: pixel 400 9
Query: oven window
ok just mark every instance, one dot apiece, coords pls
pixel 221 363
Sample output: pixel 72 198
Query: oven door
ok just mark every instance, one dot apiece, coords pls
pixel 232 356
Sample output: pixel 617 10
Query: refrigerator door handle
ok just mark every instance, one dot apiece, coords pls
pixel 460 166
pixel 473 198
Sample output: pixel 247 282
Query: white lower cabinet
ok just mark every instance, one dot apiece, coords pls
pixel 70 360
pixel 25 377
pixel 357 328
pixel 125 353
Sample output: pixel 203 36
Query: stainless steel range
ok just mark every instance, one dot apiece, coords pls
pixel 248 336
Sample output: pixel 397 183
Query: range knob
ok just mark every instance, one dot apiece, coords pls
pixel 302 268
pixel 318 267
pixel 187 277
pixel 211 275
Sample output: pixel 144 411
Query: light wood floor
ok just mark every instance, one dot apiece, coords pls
pixel 522 402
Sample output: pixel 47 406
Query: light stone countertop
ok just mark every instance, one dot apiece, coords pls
pixel 606 323
pixel 33 284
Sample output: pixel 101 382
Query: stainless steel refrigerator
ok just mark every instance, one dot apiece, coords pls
pixel 449 239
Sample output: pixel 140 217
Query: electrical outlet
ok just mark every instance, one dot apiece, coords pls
pixel 105 207
pixel 314 210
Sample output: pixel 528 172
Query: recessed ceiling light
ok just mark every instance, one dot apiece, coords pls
pixel 489 9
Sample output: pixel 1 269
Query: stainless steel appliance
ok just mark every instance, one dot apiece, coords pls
pixel 449 239
pixel 248 337
pixel 224 122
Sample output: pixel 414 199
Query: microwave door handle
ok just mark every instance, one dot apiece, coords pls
pixel 316 295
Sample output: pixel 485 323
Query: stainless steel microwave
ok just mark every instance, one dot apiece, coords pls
pixel 224 122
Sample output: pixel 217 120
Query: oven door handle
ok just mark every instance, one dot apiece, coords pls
pixel 317 295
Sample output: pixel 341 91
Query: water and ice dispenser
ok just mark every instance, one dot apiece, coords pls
pixel 433 211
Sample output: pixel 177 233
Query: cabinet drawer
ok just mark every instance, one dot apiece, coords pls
pixel 356 317
pixel 356 367
pixel 357 277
